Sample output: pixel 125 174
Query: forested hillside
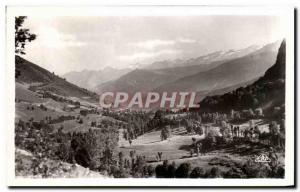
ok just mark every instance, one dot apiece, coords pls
pixel 267 92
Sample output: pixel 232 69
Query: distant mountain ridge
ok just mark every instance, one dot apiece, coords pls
pixel 205 59
pixel 91 79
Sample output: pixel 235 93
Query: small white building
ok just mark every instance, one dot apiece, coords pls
pixel 259 112
pixel 69 108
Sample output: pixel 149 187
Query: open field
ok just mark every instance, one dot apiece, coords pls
pixel 176 149
pixel 150 143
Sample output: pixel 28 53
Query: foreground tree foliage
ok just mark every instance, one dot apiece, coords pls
pixel 22 35
pixel 92 149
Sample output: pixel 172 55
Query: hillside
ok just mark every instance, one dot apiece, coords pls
pixel 38 78
pixel 267 92
pixel 189 70
pixel 137 80
pixel 227 74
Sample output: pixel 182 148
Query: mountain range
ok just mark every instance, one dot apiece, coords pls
pixel 229 73
pixel 202 78
pixel 97 80
pixel 204 60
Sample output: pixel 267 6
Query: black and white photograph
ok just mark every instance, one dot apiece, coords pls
pixel 150 96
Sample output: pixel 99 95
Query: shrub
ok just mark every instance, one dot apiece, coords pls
pixel 257 170
pixel 215 172
pixel 183 170
pixel 197 173
pixel 93 124
pixel 150 171
pixel 43 107
pixel 280 172
pixel 161 171
pixel 171 170
pixel 232 173
pixel 82 157
pixel 116 172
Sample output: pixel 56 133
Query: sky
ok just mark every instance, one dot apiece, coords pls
pixel 67 44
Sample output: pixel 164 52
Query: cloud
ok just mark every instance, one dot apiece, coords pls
pixel 155 43
pixel 145 55
pixel 154 48
pixel 186 40
pixel 51 38
pixel 151 44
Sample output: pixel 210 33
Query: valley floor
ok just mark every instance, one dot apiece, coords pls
pixel 176 149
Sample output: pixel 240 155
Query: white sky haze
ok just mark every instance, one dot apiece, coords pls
pixel 66 44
